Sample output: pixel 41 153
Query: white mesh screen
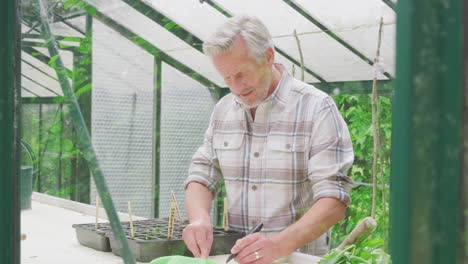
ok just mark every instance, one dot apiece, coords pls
pixel 186 108
pixel 122 119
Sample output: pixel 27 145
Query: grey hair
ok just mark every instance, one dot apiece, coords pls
pixel 251 29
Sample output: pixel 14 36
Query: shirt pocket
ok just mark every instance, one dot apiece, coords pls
pixel 286 159
pixel 229 150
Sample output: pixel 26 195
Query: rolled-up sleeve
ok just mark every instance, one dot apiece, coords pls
pixel 204 167
pixel 331 154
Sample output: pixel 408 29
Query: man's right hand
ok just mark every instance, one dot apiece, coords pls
pixel 198 236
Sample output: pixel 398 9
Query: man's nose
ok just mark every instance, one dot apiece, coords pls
pixel 238 86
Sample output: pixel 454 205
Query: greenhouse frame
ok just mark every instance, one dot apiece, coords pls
pixel 104 103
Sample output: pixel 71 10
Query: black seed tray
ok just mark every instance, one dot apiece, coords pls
pixel 150 240
pixel 89 236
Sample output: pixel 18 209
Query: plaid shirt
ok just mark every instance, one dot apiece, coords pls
pixel 297 151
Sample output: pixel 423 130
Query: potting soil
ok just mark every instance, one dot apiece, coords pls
pixel 181 260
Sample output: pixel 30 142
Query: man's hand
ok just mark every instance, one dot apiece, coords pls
pixel 198 236
pixel 256 249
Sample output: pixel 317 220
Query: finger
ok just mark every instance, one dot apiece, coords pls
pixel 245 242
pixel 203 243
pixel 206 246
pixel 190 241
pixel 252 258
pixel 247 254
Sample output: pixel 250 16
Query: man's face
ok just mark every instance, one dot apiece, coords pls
pixel 246 78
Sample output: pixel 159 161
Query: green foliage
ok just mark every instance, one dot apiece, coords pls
pixel 368 252
pixel 356 110
pixel 48 129
pixel 52 142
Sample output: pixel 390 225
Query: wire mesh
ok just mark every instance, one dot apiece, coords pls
pixel 122 119
pixel 185 107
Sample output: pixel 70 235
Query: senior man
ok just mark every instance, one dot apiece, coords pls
pixel 280 146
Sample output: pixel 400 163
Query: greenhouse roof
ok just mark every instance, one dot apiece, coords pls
pixel 336 46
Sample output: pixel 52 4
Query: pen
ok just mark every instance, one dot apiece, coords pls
pixel 254 229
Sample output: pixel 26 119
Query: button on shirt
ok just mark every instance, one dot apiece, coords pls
pixel 296 151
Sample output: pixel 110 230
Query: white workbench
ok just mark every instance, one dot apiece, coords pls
pixel 50 238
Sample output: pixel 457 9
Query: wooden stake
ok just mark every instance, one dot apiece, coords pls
pixel 170 227
pixel 375 124
pixel 226 215
pixel 131 219
pixel 300 54
pixel 363 229
pixel 97 211
pixel 176 205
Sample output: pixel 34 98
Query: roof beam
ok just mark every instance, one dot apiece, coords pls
pixel 280 51
pixel 314 21
pixel 166 23
pixel 390 4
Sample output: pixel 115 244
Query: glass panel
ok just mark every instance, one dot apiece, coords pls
pixel 362 28
pixel 322 54
pixel 158 36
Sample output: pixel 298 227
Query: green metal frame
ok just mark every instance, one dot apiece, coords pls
pixel 82 87
pixel 463 254
pixel 426 137
pixel 42 100
pixel 10 66
pixel 157 132
pixel 38 182
pixel 38 44
pixel 59 174
pixel 57 37
pixel 390 4
pixel 330 33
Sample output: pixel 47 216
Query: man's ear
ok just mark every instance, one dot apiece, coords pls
pixel 270 56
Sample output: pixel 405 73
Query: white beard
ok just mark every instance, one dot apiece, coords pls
pixel 247 106
pixel 257 103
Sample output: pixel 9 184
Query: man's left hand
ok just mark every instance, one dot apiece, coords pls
pixel 256 249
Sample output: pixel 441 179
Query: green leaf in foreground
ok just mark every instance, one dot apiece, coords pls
pixel 367 252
